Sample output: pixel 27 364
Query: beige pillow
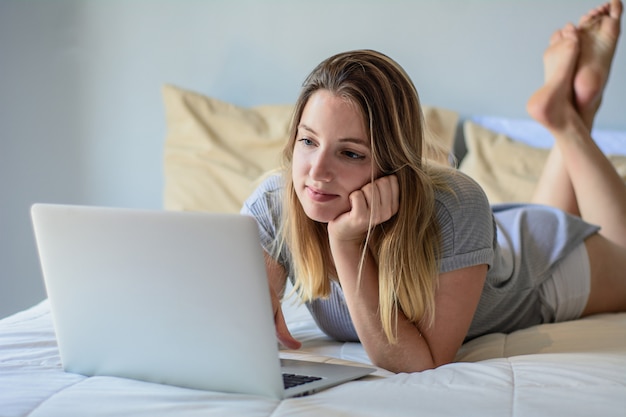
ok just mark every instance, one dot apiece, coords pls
pixel 506 169
pixel 215 152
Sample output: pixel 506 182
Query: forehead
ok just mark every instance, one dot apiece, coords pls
pixel 325 107
pixel 334 98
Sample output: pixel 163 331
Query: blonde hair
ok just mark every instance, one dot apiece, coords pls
pixel 406 247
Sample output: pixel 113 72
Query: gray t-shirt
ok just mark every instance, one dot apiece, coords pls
pixel 521 244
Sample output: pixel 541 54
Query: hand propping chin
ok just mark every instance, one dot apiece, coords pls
pixel 371 205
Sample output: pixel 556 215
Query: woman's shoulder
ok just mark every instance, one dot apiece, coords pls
pixel 266 196
pixel 264 204
pixel 272 183
pixel 456 190
pixel 465 219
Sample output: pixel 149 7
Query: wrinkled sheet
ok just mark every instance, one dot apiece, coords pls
pixel 574 369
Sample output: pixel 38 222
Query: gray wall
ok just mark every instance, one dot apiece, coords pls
pixel 81 117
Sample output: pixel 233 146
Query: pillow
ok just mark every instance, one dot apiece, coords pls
pixel 216 152
pixel 508 170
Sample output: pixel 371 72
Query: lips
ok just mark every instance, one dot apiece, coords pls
pixel 319 196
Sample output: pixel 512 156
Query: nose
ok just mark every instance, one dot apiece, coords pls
pixel 321 167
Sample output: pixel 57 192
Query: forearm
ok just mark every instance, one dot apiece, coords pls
pixel 276 275
pixel 411 351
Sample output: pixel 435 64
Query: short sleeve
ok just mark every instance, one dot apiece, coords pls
pixel 466 222
pixel 265 204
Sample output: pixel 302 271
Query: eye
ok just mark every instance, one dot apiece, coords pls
pixel 306 141
pixel 353 155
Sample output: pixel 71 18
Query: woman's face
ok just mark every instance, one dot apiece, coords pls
pixel 331 157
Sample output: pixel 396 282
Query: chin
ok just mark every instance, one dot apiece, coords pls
pixel 317 217
pixel 320 216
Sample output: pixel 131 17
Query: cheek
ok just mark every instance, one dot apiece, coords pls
pixel 297 166
pixel 361 178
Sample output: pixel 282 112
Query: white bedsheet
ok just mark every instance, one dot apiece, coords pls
pixel 570 369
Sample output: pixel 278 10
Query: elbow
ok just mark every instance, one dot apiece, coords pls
pixel 399 365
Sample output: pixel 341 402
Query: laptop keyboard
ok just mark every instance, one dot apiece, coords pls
pixel 292 380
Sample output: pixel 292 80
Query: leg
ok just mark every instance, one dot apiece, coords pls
pixel 554 187
pixel 607 262
pixel 554 177
pixel 594 41
pixel 566 105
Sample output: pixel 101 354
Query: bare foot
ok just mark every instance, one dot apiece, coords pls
pixel 553 102
pixel 598 33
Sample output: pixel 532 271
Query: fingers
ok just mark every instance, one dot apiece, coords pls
pixel 282 332
pixel 371 205
pixel 389 194
pixel 381 198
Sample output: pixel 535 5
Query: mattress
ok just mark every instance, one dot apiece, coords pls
pixel 574 368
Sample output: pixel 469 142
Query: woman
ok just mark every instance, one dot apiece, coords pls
pixel 406 256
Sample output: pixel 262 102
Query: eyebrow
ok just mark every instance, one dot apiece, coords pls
pixel 348 139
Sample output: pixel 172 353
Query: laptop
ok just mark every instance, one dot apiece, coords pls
pixel 177 298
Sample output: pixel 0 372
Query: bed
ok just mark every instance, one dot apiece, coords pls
pixel 215 153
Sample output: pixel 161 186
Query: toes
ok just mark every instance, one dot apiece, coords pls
pixel 569 31
pixel 593 15
pixel 615 9
pixel 556 37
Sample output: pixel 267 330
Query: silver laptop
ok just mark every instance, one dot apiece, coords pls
pixel 168 297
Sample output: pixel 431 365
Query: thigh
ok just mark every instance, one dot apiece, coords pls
pixel 564 295
pixel 607 262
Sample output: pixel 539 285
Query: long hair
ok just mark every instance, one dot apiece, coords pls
pixel 407 246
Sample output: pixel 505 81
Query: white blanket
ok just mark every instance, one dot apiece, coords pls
pixel 570 369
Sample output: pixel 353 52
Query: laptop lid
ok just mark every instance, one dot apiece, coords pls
pixel 171 297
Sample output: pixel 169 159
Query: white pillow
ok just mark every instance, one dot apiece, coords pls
pixel 611 142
